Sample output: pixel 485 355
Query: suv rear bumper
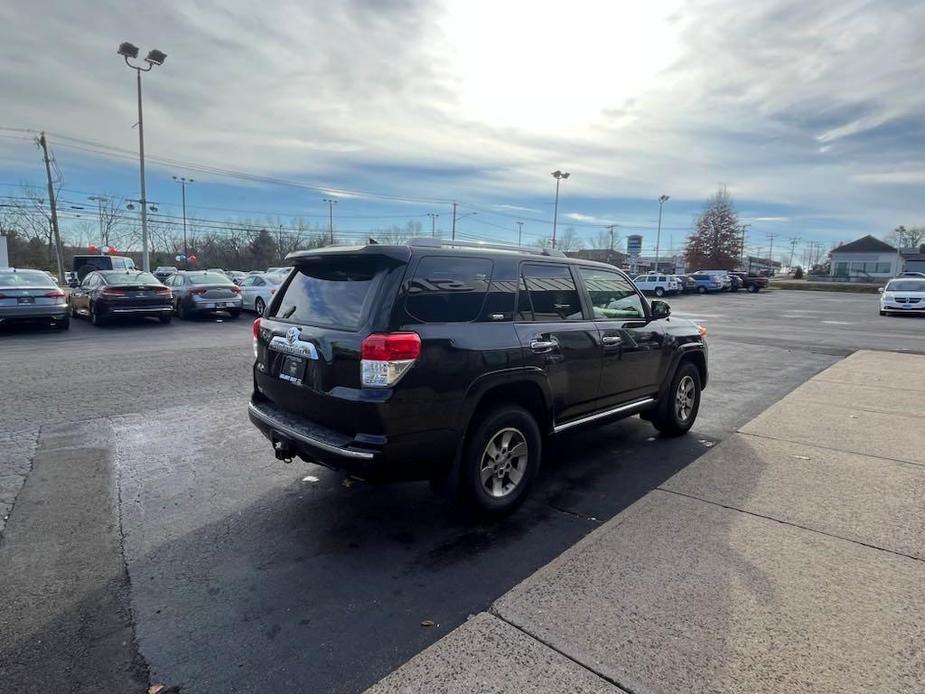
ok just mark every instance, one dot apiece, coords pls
pixel 414 456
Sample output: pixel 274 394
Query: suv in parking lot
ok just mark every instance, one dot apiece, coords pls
pixel 658 284
pixel 452 362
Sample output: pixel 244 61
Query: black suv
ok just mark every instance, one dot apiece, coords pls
pixel 453 361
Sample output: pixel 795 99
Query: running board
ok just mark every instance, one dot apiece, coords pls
pixel 600 415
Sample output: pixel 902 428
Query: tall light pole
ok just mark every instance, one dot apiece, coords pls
pixel 99 199
pixel 558 175
pixel 662 199
pixel 744 232
pixel 331 204
pixel 155 57
pixel 183 183
pixel 520 233
pixel 433 224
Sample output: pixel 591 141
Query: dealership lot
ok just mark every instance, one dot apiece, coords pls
pixel 223 569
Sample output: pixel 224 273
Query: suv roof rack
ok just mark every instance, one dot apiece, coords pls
pixel 443 243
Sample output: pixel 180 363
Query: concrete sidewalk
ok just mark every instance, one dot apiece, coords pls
pixel 791 557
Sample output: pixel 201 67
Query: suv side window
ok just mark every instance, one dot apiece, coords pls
pixel 612 297
pixel 448 289
pixel 551 291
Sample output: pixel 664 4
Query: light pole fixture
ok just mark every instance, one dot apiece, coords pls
pixel 558 175
pixel 433 223
pixel 331 204
pixel 183 183
pixel 129 52
pixel 662 199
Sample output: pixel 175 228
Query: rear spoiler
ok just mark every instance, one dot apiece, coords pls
pixel 316 255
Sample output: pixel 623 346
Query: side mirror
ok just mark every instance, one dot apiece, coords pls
pixel 880 290
pixel 660 309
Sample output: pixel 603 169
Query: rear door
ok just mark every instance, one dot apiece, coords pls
pixel 631 343
pixel 557 337
pixel 310 338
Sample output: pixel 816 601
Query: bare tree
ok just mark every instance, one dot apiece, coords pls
pixel 569 241
pixel 603 240
pixel 907 237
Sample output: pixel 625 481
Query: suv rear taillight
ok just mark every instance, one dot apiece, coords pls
pixel 386 357
pixel 56 294
pixel 255 331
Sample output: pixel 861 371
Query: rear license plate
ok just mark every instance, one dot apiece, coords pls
pixel 27 300
pixel 292 369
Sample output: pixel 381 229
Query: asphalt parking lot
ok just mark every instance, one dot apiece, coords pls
pixel 131 461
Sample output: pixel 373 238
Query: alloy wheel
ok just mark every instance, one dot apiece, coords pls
pixel 503 462
pixel 684 399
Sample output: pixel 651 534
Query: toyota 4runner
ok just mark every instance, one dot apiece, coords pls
pixel 453 362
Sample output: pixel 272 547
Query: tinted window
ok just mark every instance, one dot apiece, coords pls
pixel 552 292
pixel 333 293
pixel 611 295
pixel 448 290
pixel 130 278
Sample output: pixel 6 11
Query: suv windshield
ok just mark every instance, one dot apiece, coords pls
pixel 333 293
pixel 906 286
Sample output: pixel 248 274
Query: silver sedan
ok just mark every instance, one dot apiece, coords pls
pixel 258 290
pixel 199 292
pixel 31 295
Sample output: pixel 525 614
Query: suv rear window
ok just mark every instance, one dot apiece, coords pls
pixel 331 294
pixel 547 293
pixel 448 289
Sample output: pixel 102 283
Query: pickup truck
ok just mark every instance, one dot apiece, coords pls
pixel 752 283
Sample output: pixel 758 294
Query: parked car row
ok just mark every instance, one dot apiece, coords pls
pixel 106 294
pixel 702 282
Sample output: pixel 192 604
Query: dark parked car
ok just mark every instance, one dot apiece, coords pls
pixel 453 362
pixel 688 283
pixel 106 294
pixel 752 283
pixel 33 296
pixel 197 292
pixel 82 265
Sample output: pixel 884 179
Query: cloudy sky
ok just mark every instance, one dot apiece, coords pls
pixel 811 113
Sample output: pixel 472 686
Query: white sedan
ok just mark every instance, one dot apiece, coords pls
pixel 903 295
pixel 257 290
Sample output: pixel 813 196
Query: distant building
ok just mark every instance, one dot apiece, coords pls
pixel 868 258
pixel 761 266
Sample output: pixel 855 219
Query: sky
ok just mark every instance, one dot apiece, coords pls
pixel 811 114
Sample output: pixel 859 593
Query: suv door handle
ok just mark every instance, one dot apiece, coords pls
pixel 541 346
pixel 611 339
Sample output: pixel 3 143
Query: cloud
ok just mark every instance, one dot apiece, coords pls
pixel 791 104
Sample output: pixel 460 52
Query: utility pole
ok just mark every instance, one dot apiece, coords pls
pixel 520 233
pixel 658 236
pixel 771 250
pixel 183 183
pixel 793 247
pixel 54 211
pixel 611 227
pixel 331 204
pixel 433 224
pixel 454 221
pixel 744 232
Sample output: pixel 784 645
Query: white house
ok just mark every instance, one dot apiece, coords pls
pixel 866 258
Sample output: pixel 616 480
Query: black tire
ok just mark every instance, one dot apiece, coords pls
pixel 259 306
pixel 884 313
pixel 181 310
pixel 63 323
pixel 669 417
pixel 659 291
pixel 235 314
pixel 701 290
pixel 95 318
pixel 753 288
pixel 493 425
pixel 165 318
